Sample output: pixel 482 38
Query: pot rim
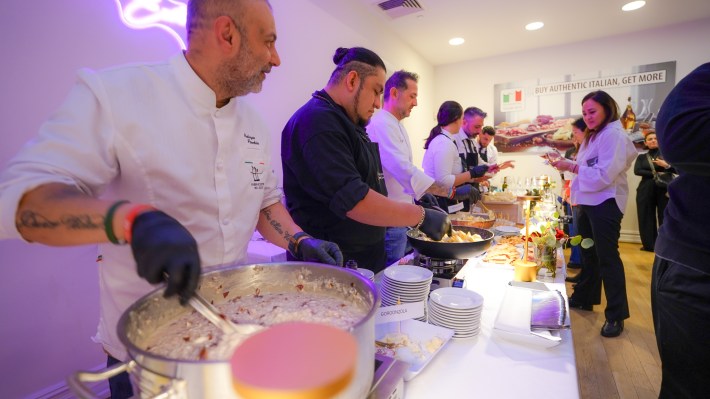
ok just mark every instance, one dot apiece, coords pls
pixel 132 349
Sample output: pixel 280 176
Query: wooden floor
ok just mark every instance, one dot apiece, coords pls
pixel 627 366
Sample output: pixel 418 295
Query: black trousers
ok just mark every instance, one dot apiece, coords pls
pixel 602 262
pixel 120 385
pixel 651 202
pixel 680 300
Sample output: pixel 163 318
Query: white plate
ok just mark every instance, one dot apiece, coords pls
pixel 419 334
pixel 367 273
pixel 455 312
pixel 507 229
pixel 408 273
pixel 456 298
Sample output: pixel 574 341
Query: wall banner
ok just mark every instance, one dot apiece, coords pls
pixel 534 115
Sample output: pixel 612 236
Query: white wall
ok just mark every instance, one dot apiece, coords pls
pixel 49 295
pixel 471 82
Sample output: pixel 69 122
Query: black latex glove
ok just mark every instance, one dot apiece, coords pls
pixel 478 171
pixel 312 249
pixel 467 192
pixel 428 201
pixel 164 249
pixel 436 223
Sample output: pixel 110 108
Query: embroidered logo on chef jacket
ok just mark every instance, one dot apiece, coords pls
pixel 592 161
pixel 256 169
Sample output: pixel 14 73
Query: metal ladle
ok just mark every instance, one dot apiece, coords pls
pixel 219 319
pixel 206 309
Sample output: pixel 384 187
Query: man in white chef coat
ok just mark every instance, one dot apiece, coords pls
pixel 167 157
pixel 405 182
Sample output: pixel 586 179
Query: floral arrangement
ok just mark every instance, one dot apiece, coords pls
pixel 547 237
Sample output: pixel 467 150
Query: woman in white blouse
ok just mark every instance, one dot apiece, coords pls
pixel 600 190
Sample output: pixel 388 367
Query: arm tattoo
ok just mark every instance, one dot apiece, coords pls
pixel 276 225
pixel 33 220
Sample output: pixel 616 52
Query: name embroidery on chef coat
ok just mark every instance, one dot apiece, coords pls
pixel 255 167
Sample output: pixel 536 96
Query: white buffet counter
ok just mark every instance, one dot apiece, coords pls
pixel 488 366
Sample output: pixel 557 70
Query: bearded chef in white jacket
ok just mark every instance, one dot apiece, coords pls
pixel 167 157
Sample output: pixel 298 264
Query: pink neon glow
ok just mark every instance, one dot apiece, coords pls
pixel 168 15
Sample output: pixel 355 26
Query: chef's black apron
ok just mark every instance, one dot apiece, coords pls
pixel 468 160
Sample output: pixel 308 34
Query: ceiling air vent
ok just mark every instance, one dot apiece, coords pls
pixel 399 8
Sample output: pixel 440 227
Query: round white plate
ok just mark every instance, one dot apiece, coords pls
pixel 457 298
pixel 408 273
pixel 367 273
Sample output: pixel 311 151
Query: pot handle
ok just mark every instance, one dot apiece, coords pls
pixel 76 381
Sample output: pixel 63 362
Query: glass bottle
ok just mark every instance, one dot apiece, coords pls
pixel 628 119
pixel 505 184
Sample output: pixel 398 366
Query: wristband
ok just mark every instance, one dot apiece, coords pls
pixel 422 219
pixel 294 241
pixel 131 217
pixel 108 222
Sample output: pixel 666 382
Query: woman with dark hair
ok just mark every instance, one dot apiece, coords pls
pixel 600 191
pixel 651 200
pixel 443 163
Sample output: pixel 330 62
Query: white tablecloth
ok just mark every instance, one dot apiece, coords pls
pixel 488 366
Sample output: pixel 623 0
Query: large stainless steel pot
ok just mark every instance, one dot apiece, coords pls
pixel 154 375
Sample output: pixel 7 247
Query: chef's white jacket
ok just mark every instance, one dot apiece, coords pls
pixel 441 160
pixel 151 134
pixel 603 163
pixel 404 180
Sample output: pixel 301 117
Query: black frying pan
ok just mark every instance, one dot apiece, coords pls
pixel 451 250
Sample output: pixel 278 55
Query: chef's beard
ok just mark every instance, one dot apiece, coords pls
pixel 238 77
pixel 359 120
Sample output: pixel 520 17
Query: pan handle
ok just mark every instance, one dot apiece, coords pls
pixel 78 379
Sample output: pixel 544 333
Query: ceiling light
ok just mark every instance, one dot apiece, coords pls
pixel 456 41
pixel 634 5
pixel 534 25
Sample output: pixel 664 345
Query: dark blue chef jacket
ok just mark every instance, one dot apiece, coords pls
pixel 329 166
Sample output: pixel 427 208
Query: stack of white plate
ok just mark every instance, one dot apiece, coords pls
pixel 456 308
pixel 405 284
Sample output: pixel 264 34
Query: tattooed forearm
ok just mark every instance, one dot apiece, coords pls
pixel 33 220
pixel 276 225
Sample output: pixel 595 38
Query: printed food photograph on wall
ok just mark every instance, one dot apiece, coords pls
pixel 536 115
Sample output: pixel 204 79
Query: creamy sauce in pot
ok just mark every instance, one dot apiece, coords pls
pixel 192 337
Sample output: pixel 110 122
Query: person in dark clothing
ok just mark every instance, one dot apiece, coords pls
pixel 680 284
pixel 575 258
pixel 333 177
pixel 651 200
